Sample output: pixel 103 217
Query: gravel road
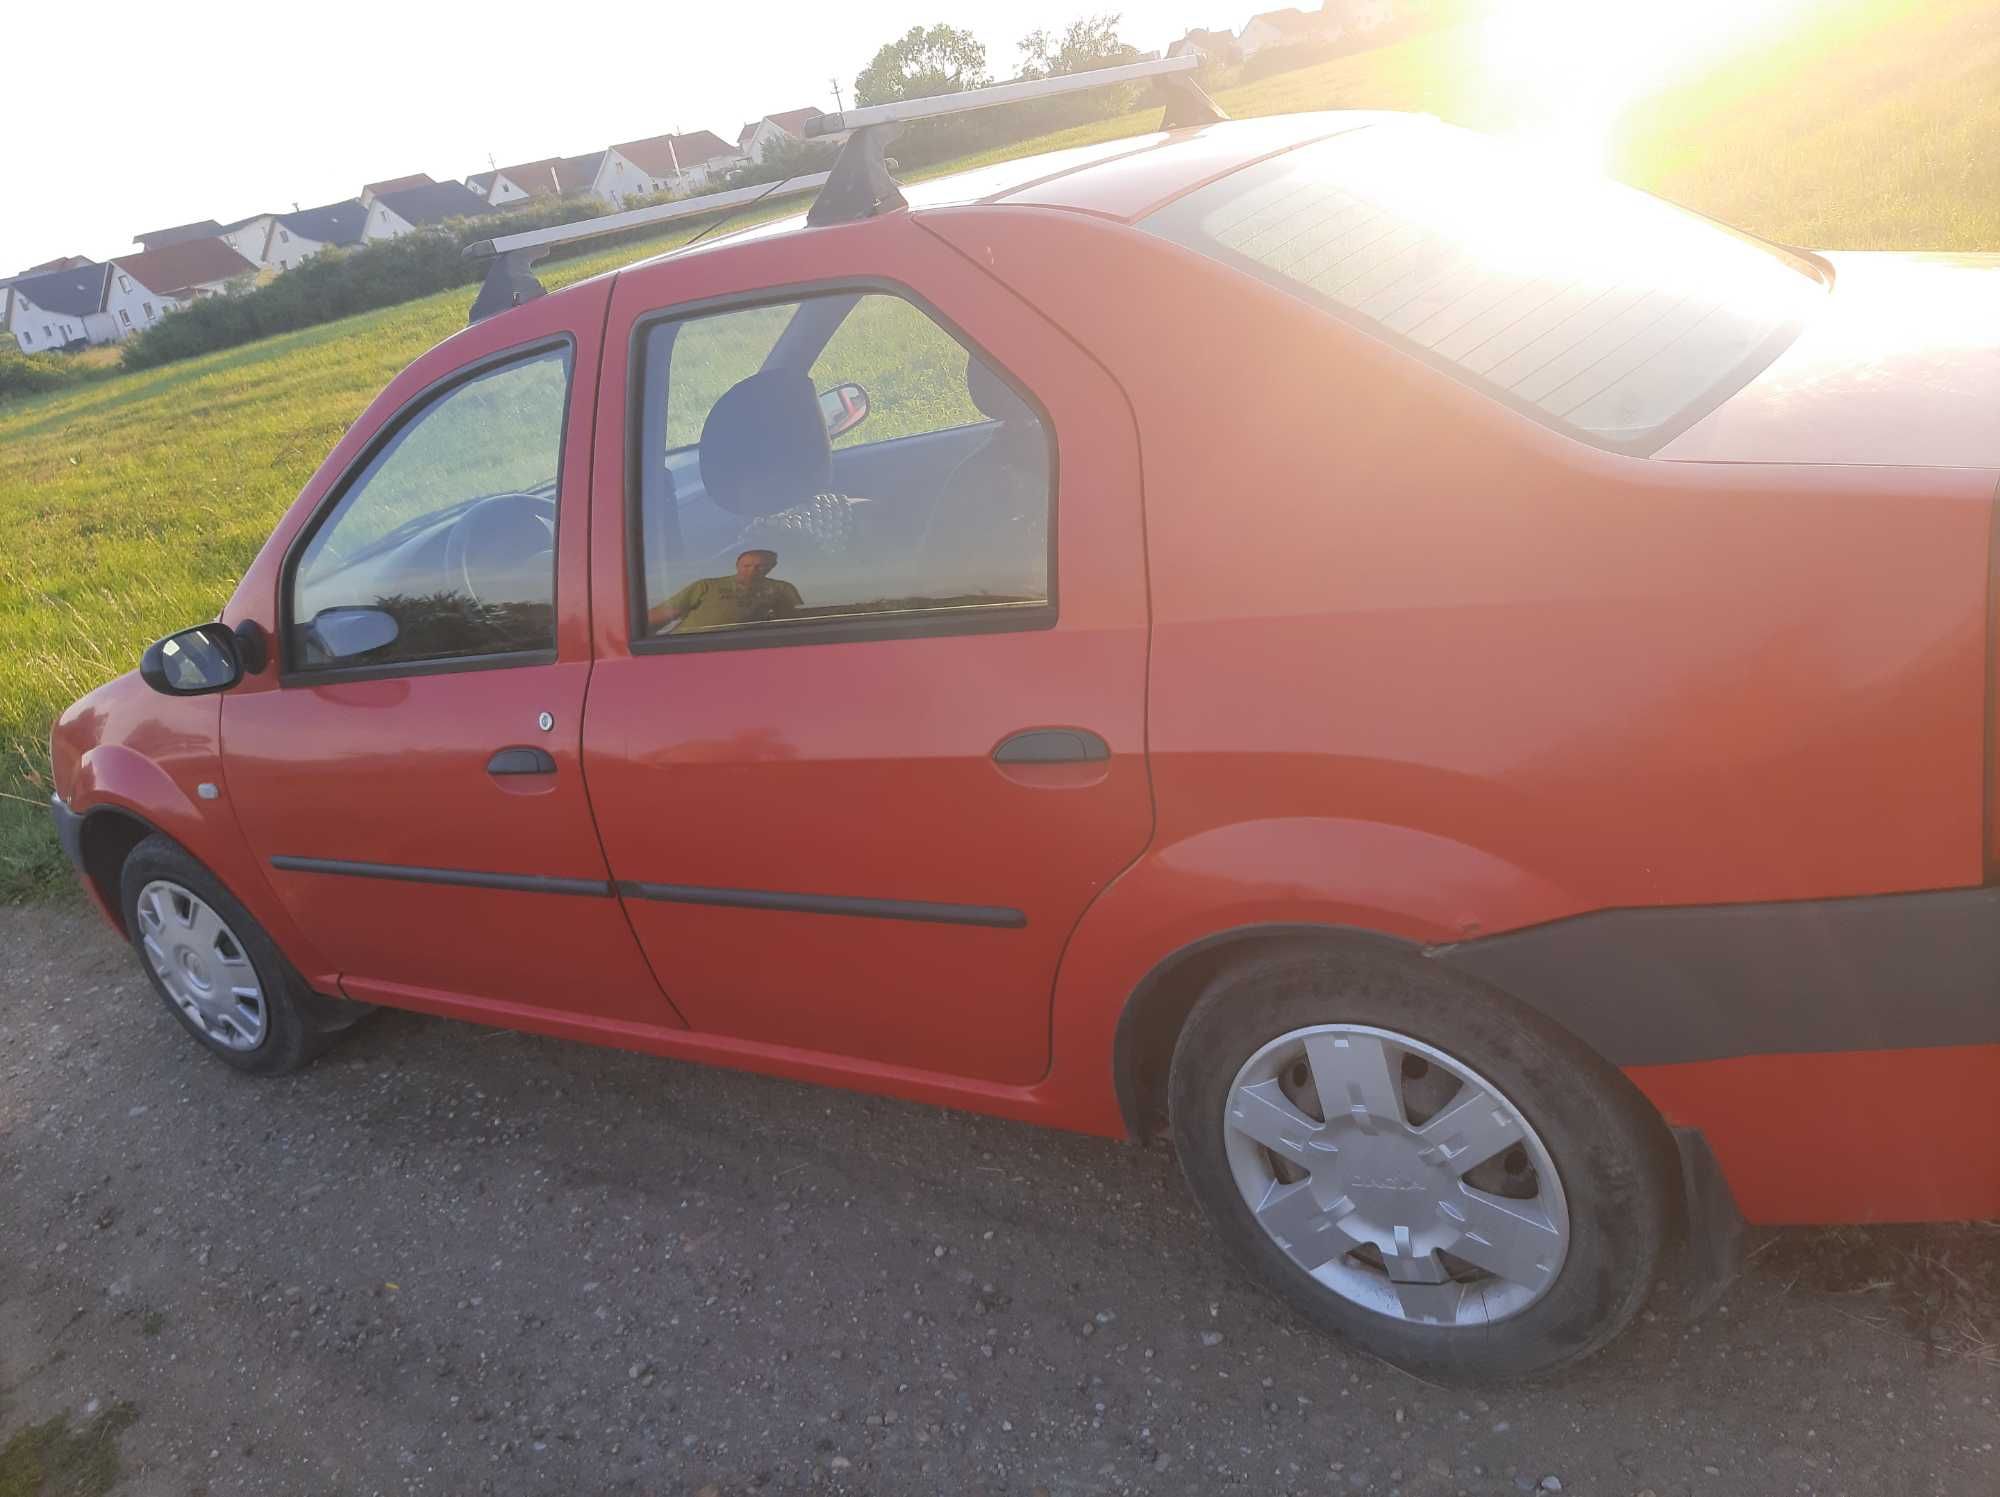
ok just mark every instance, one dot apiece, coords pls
pixel 456 1260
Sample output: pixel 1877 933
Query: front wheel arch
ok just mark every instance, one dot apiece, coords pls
pixel 108 836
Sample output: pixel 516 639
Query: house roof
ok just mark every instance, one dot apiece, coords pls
pixel 61 262
pixel 206 228
pixel 396 184
pixel 330 223
pixel 660 155
pixel 244 223
pixel 1291 20
pixel 540 179
pixel 576 173
pixel 176 269
pixel 433 202
pixel 793 121
pixel 75 292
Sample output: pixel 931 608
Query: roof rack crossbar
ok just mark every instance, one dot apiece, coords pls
pixel 637 218
pixel 510 278
pixel 858 187
pixel 904 110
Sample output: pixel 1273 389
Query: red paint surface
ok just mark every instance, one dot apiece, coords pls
pixel 1369 650
pixel 1875 1136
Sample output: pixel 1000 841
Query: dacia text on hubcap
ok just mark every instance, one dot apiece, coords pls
pixel 1395 1175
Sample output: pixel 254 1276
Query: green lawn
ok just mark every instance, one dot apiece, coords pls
pixel 130 505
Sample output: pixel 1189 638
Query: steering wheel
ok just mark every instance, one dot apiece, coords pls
pixel 509 538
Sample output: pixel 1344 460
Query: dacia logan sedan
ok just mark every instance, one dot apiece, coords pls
pixel 1465 696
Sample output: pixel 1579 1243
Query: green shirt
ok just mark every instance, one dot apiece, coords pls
pixel 715 601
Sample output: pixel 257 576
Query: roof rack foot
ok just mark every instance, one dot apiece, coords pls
pixel 859 186
pixel 510 281
pixel 1187 103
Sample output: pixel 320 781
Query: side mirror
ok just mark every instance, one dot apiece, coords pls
pixel 343 633
pixel 193 662
pixel 844 407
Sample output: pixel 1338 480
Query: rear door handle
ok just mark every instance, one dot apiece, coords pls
pixel 1052 746
pixel 521 761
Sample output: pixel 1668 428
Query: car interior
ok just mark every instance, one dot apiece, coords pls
pixel 946 518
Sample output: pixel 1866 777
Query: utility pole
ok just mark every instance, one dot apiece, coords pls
pixel 839 105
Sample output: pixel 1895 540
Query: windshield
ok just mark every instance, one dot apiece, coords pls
pixel 1594 308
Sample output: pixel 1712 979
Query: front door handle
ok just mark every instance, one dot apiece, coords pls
pixel 1052 746
pixel 521 761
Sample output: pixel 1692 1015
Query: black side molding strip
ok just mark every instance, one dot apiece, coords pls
pixel 1665 986
pixel 995 916
pixel 469 878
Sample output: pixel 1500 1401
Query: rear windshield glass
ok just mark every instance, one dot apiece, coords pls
pixel 1594 308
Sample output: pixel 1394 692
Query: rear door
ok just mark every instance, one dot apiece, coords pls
pixel 866 733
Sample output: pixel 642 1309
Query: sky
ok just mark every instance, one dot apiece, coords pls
pixel 116 124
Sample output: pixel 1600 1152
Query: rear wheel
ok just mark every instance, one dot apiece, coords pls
pixel 220 974
pixel 1440 1176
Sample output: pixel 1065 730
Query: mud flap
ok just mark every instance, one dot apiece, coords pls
pixel 1714 1234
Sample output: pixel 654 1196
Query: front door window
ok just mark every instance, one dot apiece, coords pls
pixel 443 547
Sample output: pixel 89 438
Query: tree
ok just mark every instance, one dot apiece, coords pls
pixel 921 63
pixel 1089 43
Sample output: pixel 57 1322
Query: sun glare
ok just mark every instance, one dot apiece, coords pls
pixel 1575 65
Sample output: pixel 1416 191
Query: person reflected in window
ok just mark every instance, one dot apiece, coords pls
pixel 752 596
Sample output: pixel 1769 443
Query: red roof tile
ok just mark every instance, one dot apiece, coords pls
pixel 176 269
pixel 660 155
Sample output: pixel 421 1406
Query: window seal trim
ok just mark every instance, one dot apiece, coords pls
pixel 924 625
pixel 444 665
pixel 435 389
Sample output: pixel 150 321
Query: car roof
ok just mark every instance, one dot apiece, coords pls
pixel 1119 179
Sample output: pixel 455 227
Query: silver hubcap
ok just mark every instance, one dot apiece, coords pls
pixel 202 965
pixel 1396 1176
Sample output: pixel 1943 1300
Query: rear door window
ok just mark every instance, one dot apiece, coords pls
pixel 838 465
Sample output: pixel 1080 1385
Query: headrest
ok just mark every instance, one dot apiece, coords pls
pixel 764 447
pixel 993 395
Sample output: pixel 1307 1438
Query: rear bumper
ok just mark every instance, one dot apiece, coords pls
pixel 69 831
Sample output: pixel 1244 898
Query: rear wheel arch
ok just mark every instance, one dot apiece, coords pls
pixel 1158 1008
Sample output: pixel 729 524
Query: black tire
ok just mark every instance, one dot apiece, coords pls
pixel 299 1023
pixel 1607 1147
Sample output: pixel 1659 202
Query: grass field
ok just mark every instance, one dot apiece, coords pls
pixel 130 505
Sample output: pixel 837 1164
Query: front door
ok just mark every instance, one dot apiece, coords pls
pixel 866 733
pixel 412 781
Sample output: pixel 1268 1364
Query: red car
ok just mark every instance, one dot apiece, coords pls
pixel 1466 696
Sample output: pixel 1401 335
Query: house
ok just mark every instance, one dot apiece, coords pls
pixel 664 163
pixel 1286 28
pixel 395 184
pixel 248 236
pixel 757 137
pixel 60 308
pixel 296 237
pixel 1359 17
pixel 407 209
pixel 144 287
pixel 555 176
pixel 1214 46
pixel 206 228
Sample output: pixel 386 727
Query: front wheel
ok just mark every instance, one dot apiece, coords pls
pixel 1436 1174
pixel 222 976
